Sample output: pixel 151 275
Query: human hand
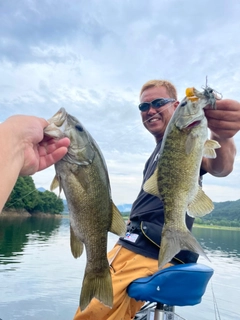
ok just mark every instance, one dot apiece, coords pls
pixel 44 154
pixel 224 122
pixel 37 151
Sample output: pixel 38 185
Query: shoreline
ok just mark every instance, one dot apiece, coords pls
pixel 206 226
pixel 26 214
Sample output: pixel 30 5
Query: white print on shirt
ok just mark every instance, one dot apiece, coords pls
pixel 132 237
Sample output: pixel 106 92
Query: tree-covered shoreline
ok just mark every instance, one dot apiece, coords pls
pixel 25 198
pixel 225 214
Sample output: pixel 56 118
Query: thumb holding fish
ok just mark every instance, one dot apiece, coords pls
pixel 35 151
pixel 224 121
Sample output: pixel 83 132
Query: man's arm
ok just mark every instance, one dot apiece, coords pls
pixel 224 123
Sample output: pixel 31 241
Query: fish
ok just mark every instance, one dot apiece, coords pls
pixel 176 178
pixel 82 174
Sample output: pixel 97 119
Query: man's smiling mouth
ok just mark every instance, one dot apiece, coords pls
pixel 153 120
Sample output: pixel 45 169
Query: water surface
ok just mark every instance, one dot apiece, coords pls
pixel 40 280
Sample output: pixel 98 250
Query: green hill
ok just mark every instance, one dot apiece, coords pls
pixel 225 213
pixel 25 196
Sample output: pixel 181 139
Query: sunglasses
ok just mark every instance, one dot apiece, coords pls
pixel 157 103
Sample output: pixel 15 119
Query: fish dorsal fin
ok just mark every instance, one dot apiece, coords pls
pixel 75 244
pixel 118 225
pixel 209 149
pixel 201 204
pixel 150 186
pixel 190 142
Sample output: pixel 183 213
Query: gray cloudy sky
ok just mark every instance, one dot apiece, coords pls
pixel 92 58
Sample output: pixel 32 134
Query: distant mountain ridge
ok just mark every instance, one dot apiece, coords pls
pixel 124 207
pixel 41 189
pixel 227 210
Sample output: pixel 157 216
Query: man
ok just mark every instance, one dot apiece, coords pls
pixel 136 254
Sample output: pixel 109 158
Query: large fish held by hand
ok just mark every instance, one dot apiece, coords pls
pixel 83 176
pixel 176 178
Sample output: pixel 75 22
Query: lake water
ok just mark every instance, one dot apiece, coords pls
pixel 40 280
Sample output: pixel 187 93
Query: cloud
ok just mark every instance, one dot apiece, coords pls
pixel 92 58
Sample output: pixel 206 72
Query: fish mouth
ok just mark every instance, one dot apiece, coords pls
pixel 56 123
pixel 189 122
pixel 193 124
pixel 59 118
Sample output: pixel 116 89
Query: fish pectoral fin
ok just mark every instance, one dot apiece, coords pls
pixel 83 178
pixel 75 244
pixel 201 204
pixel 118 225
pixel 96 285
pixel 209 149
pixel 190 142
pixel 55 184
pixel 151 186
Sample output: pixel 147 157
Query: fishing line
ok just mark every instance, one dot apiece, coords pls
pixel 216 309
pixel 162 109
pixel 130 130
pixel 20 200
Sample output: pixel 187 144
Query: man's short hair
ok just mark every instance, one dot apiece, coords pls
pixel 171 90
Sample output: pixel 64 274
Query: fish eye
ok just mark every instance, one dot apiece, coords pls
pixel 78 127
pixel 183 103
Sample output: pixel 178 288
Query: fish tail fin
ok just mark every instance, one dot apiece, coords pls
pixel 173 241
pixel 97 286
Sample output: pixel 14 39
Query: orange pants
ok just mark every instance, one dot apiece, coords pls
pixel 125 267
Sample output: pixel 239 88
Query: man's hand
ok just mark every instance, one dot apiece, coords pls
pixel 224 122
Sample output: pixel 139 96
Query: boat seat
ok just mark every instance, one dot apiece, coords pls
pixel 179 285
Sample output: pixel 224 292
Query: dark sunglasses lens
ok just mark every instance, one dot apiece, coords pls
pixel 144 106
pixel 155 104
pixel 158 103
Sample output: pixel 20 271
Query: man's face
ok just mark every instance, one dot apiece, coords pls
pixel 156 120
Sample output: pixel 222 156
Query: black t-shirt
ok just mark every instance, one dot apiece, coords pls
pixel 149 208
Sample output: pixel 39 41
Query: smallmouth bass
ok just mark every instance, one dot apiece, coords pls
pixel 83 176
pixel 175 180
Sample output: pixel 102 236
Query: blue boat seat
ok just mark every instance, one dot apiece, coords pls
pixel 179 285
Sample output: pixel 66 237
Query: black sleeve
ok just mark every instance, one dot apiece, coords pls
pixel 202 172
